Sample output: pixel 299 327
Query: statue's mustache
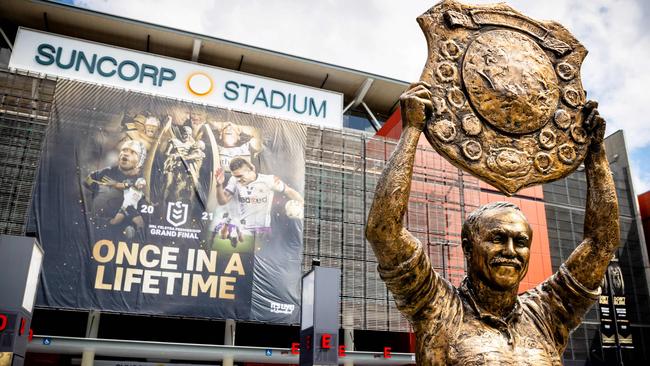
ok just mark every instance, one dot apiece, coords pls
pixel 498 261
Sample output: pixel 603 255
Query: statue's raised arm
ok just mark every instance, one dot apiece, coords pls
pixel 390 240
pixel 419 292
pixel 588 262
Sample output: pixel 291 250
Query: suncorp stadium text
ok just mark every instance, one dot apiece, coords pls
pixel 274 99
pixel 105 66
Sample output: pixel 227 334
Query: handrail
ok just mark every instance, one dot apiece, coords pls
pixel 195 352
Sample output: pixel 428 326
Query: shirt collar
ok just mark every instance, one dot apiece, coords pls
pixel 466 291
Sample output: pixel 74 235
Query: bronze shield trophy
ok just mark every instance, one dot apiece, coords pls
pixel 507 94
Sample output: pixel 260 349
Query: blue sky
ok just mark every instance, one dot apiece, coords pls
pixel 382 37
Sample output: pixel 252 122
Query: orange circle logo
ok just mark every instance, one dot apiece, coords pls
pixel 200 84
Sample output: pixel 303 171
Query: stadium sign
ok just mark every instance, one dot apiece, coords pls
pixel 71 58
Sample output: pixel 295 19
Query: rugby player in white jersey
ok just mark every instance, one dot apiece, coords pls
pixel 253 191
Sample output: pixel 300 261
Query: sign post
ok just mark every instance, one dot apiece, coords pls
pixel 319 325
pixel 20 260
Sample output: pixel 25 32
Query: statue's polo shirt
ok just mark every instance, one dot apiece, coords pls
pixel 452 329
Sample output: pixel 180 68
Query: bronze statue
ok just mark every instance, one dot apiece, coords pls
pixel 485 321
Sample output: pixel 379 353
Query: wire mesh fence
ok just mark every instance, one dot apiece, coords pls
pixel 25 104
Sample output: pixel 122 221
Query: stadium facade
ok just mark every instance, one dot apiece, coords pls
pixel 341 166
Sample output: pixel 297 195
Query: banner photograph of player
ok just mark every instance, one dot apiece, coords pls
pixel 170 208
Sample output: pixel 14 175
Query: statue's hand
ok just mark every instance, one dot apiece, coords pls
pixel 416 105
pixel 594 125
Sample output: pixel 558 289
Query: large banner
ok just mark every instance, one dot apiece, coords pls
pixel 149 205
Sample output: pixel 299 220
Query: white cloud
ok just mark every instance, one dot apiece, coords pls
pixel 641 179
pixel 175 14
pixel 382 37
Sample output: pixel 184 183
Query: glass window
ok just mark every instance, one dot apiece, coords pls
pixel 358 119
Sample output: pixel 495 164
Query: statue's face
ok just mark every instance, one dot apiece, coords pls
pixel 501 250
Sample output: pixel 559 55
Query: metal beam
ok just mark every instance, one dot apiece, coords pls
pixel 348 107
pixel 229 340
pixel 362 91
pixel 46 24
pixel 92 329
pixel 327 76
pixel 11 47
pixel 194 352
pixel 196 49
pixel 373 119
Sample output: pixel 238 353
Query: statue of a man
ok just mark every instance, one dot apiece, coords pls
pixel 485 321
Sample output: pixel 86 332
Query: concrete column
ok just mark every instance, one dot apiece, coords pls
pixel 229 340
pixel 92 327
pixel 348 337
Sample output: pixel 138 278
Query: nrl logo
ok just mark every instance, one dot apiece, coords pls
pixel 177 213
pixel 279 308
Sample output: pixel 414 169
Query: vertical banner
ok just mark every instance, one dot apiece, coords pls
pixel 149 205
pixel 614 322
pixel 607 326
pixel 617 291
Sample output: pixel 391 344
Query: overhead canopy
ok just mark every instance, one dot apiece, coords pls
pixel 117 31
